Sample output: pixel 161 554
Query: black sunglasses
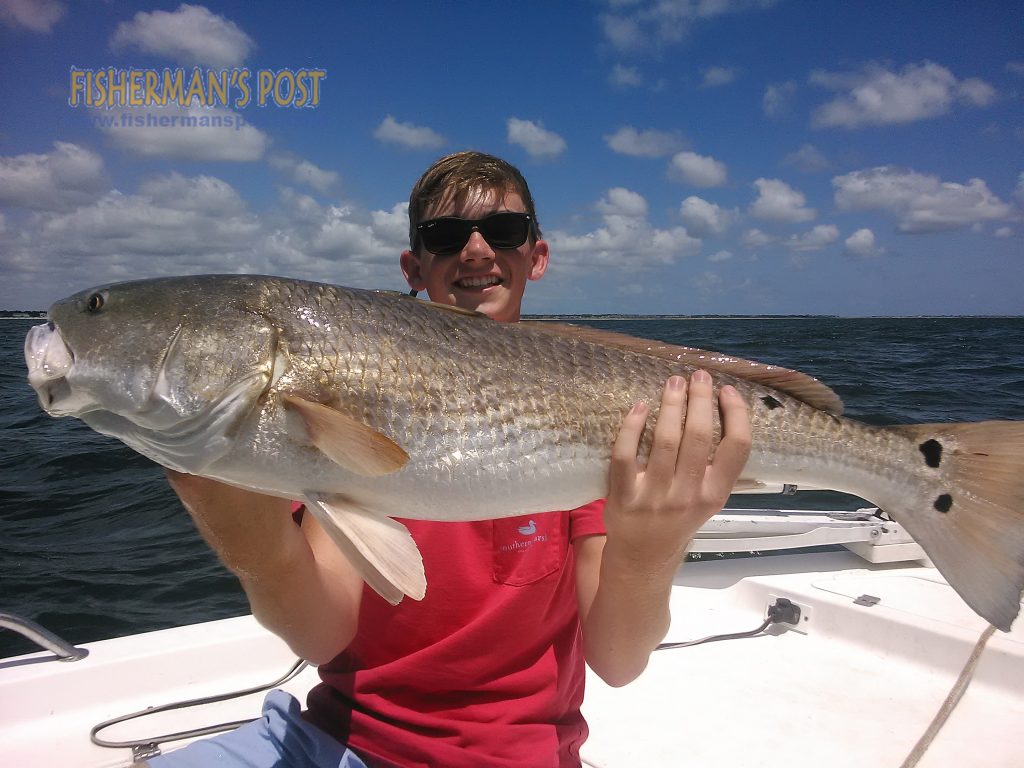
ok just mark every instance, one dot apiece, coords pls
pixel 448 235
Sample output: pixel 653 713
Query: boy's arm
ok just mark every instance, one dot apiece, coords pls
pixel 624 579
pixel 298 583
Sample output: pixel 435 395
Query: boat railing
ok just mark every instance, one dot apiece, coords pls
pixel 42 637
pixel 865 532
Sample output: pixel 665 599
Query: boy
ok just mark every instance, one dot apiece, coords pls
pixel 488 669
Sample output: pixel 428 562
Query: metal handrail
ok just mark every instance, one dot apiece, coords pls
pixel 815 537
pixel 42 637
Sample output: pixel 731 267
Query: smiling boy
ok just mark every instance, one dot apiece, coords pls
pixel 491 280
pixel 488 669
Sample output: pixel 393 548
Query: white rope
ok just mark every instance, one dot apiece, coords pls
pixel 955 694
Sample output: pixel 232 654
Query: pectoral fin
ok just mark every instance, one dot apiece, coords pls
pixel 348 442
pixel 381 549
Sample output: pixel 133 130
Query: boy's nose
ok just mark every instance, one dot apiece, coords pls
pixel 476 248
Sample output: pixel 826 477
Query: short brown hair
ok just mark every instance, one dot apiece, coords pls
pixel 454 177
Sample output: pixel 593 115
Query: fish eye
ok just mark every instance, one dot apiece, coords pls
pixel 95 302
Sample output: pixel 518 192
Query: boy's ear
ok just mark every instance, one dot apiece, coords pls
pixel 540 260
pixel 412 269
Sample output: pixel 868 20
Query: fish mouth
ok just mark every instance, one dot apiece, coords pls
pixel 50 360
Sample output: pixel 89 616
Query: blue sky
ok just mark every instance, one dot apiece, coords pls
pixel 706 156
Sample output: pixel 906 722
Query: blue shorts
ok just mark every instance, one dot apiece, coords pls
pixel 281 737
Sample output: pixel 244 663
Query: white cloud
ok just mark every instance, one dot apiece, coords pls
pixel 704 219
pixel 720 256
pixel 1015 67
pixel 715 76
pixel 808 159
pixel 620 201
pixel 301 209
pixel 68 176
pixel 625 77
pixel 392 227
pixel 191 35
pixel 303 171
pixel 1000 233
pixel 206 195
pixel 625 240
pixel 921 202
pixel 777 201
pixel 308 173
pixel 778 98
pixel 814 240
pixel 36 15
pixel 708 282
pixel 755 238
pixel 343 233
pixel 654 24
pixel 624 34
pixel 879 96
pixel 339 244
pixel 650 143
pixel 407 135
pixel 538 142
pixel 1018 191
pixel 176 224
pixel 976 92
pixel 697 170
pixel 862 244
pixel 148 235
pixel 193 133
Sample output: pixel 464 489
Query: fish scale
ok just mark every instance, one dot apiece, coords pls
pixel 370 406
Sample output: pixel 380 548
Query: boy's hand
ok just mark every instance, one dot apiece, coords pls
pixel 653 512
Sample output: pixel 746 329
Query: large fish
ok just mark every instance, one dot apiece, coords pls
pixel 370 406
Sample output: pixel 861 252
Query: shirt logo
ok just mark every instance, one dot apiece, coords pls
pixel 528 529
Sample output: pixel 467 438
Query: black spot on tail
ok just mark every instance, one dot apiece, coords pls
pixel 932 450
pixel 771 402
pixel 944 502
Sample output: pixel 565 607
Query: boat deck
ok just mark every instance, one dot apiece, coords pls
pixel 852 685
pixel 855 685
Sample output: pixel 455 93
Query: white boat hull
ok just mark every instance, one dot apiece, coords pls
pixel 853 685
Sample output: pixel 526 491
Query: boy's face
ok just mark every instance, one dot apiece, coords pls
pixel 479 277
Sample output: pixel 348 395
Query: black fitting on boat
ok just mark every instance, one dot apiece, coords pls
pixel 784 611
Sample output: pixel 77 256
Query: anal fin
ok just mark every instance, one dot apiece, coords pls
pixel 381 549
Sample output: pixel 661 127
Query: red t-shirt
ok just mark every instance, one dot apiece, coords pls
pixel 486 670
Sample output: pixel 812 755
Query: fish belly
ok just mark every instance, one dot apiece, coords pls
pixel 455 476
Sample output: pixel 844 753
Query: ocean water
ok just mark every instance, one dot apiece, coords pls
pixel 93 544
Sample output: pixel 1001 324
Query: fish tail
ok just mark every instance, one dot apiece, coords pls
pixel 968 513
